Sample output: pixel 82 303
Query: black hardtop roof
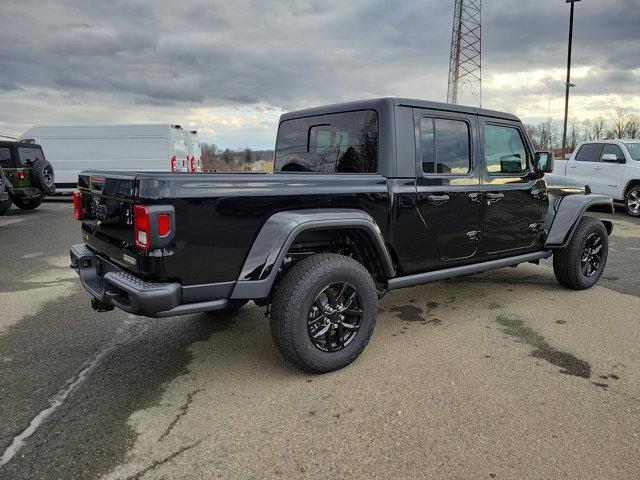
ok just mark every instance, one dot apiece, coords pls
pixel 13 143
pixel 379 103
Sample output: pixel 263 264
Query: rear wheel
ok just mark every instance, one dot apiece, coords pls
pixel 5 206
pixel 580 264
pixel 324 312
pixel 632 201
pixel 28 204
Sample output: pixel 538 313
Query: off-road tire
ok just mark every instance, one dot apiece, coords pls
pixel 28 204
pixel 232 307
pixel 567 261
pixel 42 176
pixel 5 206
pixel 632 196
pixel 293 301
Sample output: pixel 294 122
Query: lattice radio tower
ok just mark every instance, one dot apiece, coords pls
pixel 465 63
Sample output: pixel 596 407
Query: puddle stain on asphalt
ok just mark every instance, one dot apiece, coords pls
pixel 411 313
pixel 408 313
pixel 569 364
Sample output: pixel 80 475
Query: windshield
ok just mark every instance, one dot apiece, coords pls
pixel 634 150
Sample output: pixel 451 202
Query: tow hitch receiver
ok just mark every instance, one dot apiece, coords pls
pixel 100 306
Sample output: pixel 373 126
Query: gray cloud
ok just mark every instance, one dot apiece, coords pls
pixel 289 54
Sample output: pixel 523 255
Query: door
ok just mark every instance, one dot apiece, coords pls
pixel 510 200
pixel 582 167
pixel 607 177
pixel 447 182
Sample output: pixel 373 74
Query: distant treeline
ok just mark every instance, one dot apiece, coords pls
pixel 227 160
pixel 618 124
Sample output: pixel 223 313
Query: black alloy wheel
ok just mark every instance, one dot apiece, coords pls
pixel 335 317
pixel 591 258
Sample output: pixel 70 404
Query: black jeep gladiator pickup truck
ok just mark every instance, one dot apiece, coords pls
pixel 365 197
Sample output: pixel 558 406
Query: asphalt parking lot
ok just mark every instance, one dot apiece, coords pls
pixel 499 375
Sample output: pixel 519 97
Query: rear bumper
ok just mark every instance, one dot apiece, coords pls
pixel 110 285
pixel 27 193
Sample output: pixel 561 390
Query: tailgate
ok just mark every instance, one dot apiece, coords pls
pixel 107 219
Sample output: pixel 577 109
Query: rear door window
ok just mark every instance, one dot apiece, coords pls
pixel 444 146
pixel 589 152
pixel 335 143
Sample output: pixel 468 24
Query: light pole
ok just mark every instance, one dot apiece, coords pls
pixel 568 83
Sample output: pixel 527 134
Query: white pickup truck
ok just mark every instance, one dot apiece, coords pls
pixel 609 167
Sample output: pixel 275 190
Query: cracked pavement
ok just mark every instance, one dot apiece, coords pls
pixel 499 375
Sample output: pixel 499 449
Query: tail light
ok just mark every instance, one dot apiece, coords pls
pixel 77 205
pixel 141 226
pixel 154 225
pixel 193 164
pixel 163 224
pixel 173 163
pixel 20 175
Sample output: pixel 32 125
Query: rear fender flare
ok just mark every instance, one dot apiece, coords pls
pixel 567 214
pixel 278 234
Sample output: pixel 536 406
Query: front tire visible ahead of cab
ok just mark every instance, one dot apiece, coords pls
pixel 324 312
pixel 28 204
pixel 580 264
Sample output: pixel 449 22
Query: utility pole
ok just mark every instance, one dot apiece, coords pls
pixel 568 83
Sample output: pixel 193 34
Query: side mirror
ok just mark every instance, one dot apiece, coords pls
pixel 612 158
pixel 543 162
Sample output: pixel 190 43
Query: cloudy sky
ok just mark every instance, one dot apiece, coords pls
pixel 229 68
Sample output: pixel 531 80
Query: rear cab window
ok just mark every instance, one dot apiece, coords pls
pixel 333 143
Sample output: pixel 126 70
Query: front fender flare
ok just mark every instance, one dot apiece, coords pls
pixel 568 212
pixel 277 235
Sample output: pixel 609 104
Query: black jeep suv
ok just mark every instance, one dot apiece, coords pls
pixel 365 197
pixel 26 177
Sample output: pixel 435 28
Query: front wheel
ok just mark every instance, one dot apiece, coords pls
pixel 632 201
pixel 324 312
pixel 28 204
pixel 580 264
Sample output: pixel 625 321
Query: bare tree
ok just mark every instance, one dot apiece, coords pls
pixel 594 129
pixel 619 119
pixel 574 134
pixel 633 127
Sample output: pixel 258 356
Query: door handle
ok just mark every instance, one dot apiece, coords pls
pixel 475 197
pixel 597 168
pixel 493 197
pixel 437 199
pixel 572 166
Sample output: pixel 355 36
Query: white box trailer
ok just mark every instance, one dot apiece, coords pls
pixel 71 149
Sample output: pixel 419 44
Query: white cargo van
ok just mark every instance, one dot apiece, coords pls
pixel 195 152
pixel 71 149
